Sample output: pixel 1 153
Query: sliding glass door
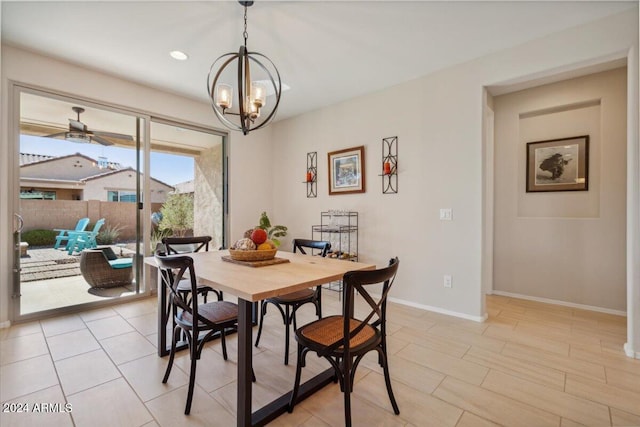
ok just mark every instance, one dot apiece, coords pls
pixel 96 188
pixel 79 187
pixel 191 160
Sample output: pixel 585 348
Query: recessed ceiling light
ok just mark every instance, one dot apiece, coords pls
pixel 180 56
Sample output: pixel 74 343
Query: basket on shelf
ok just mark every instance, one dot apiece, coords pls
pixel 253 255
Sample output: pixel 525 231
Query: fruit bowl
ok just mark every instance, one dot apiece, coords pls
pixel 253 255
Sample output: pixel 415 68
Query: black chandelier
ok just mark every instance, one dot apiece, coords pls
pixel 251 111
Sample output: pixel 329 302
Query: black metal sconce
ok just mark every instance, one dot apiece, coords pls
pixel 312 174
pixel 390 165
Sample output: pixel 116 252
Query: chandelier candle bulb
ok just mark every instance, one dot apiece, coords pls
pixel 387 168
pixel 225 95
pixel 253 110
pixel 258 92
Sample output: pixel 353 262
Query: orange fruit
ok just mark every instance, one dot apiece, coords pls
pixel 264 247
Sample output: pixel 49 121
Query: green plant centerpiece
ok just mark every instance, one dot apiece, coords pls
pixel 273 231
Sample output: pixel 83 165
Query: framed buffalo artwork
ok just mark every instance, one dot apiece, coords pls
pixel 558 164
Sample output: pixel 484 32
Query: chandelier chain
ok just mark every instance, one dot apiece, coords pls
pixel 245 34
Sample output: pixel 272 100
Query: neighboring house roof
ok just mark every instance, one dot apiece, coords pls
pixel 113 172
pixel 112 168
pixel 26 158
pixel 185 187
pixel 31 159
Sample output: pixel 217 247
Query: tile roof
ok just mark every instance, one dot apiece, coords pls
pixel 26 158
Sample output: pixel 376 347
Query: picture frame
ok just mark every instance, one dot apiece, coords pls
pixel 346 171
pixel 558 165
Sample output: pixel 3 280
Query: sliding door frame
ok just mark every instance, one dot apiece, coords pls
pixel 143 217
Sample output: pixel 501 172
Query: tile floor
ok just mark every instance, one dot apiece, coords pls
pixel 530 364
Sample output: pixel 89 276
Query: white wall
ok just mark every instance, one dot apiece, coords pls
pixel 438 120
pixel 249 192
pixel 566 246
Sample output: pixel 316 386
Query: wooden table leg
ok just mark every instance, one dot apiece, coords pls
pixel 163 317
pixel 244 362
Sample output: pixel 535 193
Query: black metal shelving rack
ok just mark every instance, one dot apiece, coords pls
pixel 340 228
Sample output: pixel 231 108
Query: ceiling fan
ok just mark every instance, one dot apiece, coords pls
pixel 78 132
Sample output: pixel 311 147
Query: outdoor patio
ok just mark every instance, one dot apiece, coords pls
pixel 48 263
pixel 50 278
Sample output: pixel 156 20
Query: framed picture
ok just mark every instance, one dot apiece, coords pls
pixel 346 171
pixel 558 165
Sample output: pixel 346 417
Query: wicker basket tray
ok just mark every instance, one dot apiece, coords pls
pixel 252 255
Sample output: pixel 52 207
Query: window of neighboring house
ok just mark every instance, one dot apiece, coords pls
pixel 121 196
pixel 37 195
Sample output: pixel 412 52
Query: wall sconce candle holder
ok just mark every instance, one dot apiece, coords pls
pixel 389 165
pixel 311 179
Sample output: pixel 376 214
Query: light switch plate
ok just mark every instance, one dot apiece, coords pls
pixel 446 214
pixel 448 281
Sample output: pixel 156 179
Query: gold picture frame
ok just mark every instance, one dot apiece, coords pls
pixel 347 171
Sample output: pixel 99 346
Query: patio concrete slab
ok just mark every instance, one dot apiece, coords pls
pixel 48 263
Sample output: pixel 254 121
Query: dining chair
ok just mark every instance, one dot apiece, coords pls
pixel 186 245
pixel 344 340
pixel 293 301
pixel 192 318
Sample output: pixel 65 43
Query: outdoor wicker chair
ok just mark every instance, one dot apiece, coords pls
pixel 101 268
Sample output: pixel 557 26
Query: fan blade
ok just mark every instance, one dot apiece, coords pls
pixel 114 135
pixel 100 140
pixel 76 125
pixel 56 135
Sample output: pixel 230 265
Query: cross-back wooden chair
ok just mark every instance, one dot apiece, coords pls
pixel 187 245
pixel 344 340
pixel 293 301
pixel 191 317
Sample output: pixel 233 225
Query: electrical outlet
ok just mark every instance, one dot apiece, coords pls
pixel 446 214
pixel 448 280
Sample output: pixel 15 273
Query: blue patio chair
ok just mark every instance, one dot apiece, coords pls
pixel 63 234
pixel 79 240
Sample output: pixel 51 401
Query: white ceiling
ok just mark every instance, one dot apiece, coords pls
pixel 326 51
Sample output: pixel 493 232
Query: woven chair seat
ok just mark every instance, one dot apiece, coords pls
pixel 324 332
pixel 295 296
pixel 218 312
pixel 185 285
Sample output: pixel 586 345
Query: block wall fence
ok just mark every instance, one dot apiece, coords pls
pixel 50 214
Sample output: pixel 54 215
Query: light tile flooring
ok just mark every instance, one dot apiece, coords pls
pixel 530 364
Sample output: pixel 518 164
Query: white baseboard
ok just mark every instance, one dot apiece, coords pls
pixel 479 319
pixel 5 324
pixel 563 303
pixel 630 352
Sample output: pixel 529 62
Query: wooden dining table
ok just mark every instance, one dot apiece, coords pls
pixel 250 285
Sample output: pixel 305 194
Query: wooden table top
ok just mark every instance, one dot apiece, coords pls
pixel 257 283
